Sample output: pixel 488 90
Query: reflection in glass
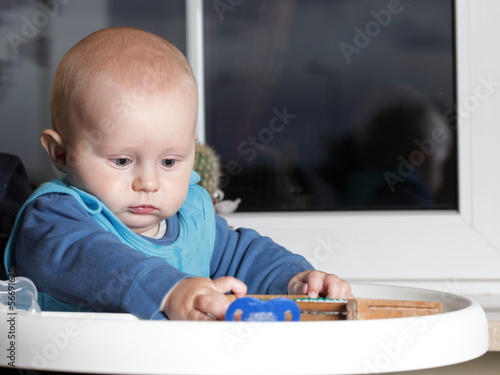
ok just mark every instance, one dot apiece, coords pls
pixel 333 105
pixel 401 146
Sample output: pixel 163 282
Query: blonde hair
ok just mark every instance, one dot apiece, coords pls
pixel 128 57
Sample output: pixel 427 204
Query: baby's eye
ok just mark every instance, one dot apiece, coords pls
pixel 168 163
pixel 121 162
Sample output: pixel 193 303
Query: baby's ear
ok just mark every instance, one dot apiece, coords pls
pixel 53 144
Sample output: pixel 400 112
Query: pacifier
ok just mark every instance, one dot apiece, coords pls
pixel 253 309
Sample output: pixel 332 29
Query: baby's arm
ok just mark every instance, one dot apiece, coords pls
pixel 66 253
pixel 318 283
pixel 263 265
pixel 200 298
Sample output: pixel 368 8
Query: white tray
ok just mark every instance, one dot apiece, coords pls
pixel 121 344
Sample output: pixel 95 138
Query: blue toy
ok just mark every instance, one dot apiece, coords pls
pixel 253 309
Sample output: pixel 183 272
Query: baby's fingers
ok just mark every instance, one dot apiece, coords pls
pixel 337 288
pixel 315 283
pixel 210 306
pixel 327 285
pixel 213 304
pixel 228 284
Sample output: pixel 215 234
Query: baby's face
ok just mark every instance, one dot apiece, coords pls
pixel 135 153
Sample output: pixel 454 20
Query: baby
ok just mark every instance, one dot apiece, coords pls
pixel 127 229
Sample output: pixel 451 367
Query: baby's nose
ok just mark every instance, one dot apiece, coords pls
pixel 147 182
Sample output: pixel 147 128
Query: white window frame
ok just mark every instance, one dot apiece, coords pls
pixel 457 251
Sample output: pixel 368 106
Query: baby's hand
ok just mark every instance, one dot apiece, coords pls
pixel 200 298
pixel 317 283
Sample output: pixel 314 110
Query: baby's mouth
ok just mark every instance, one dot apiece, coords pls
pixel 144 209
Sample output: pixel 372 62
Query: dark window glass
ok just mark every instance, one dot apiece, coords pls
pixel 164 18
pixel 333 105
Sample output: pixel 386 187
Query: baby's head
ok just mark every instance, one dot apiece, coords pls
pixel 124 106
pixel 129 60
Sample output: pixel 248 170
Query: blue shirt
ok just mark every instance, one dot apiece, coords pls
pixel 72 258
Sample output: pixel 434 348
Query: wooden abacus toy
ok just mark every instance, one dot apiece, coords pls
pixel 355 309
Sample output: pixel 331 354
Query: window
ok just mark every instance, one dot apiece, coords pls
pixel 455 250
pixel 333 105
